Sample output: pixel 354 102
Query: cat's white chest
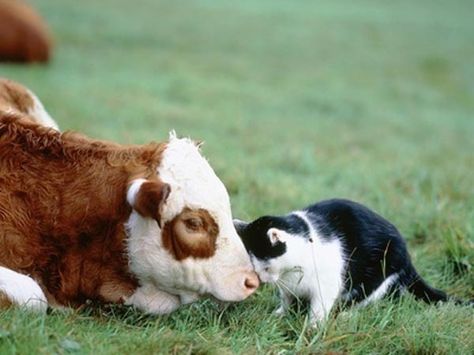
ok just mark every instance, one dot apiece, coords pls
pixel 320 269
pixel 297 282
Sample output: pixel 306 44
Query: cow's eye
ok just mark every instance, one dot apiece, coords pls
pixel 193 224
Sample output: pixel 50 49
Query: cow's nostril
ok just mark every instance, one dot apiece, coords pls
pixel 251 282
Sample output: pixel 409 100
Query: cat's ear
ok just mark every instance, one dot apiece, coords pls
pixel 276 235
pixel 240 226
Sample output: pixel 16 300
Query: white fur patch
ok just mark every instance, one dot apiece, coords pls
pixel 381 290
pixel 309 269
pixel 154 301
pixel 193 182
pixel 22 290
pixel 40 114
pixel 323 258
pixel 133 190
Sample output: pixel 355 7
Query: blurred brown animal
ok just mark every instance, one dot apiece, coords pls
pixel 24 36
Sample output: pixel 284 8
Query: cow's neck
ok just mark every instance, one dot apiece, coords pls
pixel 94 264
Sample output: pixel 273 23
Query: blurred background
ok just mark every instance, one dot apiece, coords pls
pixel 296 100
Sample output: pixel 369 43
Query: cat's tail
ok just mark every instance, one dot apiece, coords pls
pixel 424 292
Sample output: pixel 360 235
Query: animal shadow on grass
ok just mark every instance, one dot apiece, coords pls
pixel 295 324
pixel 108 312
pixel 199 312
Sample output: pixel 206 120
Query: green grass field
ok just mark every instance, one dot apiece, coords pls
pixel 297 101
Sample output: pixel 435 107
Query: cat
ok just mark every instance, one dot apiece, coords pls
pixel 334 250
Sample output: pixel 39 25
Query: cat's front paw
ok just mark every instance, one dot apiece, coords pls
pixel 314 322
pixel 316 319
pixel 280 311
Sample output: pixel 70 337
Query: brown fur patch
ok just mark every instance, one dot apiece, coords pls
pixel 63 208
pixel 150 198
pixel 14 96
pixel 24 36
pixel 5 302
pixel 192 233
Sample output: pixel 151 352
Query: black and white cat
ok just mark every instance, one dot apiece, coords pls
pixel 334 250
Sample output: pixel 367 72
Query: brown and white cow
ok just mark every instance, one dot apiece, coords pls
pixel 18 99
pixel 81 219
pixel 24 36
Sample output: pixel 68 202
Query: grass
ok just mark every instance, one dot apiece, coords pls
pixel 297 101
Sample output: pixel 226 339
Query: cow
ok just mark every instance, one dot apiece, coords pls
pixel 14 97
pixel 24 36
pixel 148 226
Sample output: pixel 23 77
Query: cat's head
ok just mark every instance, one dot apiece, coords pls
pixel 266 241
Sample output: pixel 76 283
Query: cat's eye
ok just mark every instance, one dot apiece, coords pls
pixel 267 269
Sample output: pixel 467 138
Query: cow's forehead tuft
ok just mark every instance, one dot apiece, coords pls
pixel 193 182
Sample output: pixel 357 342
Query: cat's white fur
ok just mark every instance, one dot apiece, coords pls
pixel 311 268
pixel 380 291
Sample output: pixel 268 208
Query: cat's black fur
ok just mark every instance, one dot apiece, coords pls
pixel 261 247
pixel 373 247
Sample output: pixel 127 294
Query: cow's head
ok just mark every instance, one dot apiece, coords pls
pixel 181 235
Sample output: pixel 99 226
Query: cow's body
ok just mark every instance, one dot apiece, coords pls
pixel 24 36
pixel 63 210
pixel 146 225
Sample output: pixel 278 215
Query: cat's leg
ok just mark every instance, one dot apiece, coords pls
pixel 286 298
pixel 21 290
pixel 321 305
pixel 387 286
pixel 151 300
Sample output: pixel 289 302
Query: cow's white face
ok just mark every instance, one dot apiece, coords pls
pixel 188 246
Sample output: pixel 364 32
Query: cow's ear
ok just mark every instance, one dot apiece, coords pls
pixel 147 197
pixel 240 226
pixel 198 143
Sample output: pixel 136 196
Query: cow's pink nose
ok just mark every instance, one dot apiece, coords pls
pixel 251 282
